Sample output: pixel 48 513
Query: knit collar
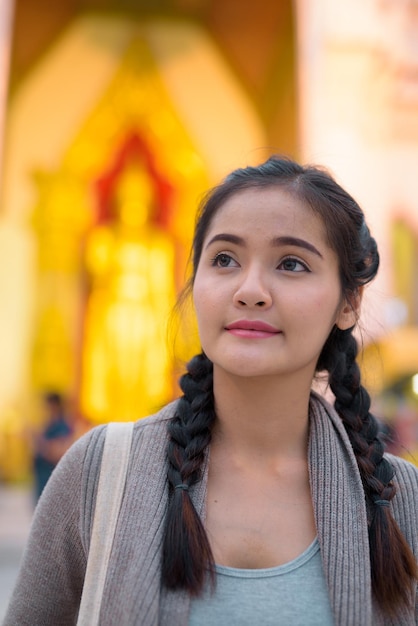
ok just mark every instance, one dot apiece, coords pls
pixel 340 514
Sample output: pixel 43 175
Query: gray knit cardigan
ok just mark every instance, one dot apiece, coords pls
pixel 50 582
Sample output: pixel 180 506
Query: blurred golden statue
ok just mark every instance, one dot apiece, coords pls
pixel 126 369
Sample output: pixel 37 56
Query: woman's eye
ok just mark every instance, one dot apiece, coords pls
pixel 293 265
pixel 223 260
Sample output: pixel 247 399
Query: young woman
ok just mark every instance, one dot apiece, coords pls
pixel 250 499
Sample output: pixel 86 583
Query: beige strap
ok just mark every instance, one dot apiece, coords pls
pixel 109 496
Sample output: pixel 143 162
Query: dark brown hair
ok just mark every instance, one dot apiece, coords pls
pixel 187 556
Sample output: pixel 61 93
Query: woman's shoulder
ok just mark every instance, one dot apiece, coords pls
pixel 87 451
pixel 404 470
pixel 157 420
pixel 92 441
pixel 405 502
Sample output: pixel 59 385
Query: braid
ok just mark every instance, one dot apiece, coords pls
pixel 393 565
pixel 186 550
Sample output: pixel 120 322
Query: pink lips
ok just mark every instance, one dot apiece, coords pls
pixel 252 329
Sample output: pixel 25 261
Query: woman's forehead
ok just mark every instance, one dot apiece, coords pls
pixel 272 210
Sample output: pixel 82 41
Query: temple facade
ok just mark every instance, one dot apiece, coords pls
pixel 118 115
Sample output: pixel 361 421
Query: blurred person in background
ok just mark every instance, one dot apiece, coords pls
pixel 49 445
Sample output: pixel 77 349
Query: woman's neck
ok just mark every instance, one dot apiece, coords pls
pixel 267 417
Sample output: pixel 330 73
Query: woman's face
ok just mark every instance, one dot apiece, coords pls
pixel 267 291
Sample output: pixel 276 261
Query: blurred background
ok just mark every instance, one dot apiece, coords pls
pixel 115 117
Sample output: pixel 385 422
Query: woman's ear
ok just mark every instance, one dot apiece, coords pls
pixel 349 311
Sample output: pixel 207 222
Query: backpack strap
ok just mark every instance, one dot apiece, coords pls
pixel 109 497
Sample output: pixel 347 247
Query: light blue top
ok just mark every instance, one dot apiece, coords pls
pixel 291 594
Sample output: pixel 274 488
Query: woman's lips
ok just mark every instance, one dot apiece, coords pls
pixel 252 329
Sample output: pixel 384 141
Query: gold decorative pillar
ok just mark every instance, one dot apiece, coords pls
pixel 60 220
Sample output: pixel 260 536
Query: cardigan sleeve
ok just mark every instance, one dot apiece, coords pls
pixel 50 580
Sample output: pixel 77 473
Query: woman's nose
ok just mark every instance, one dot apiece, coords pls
pixel 253 291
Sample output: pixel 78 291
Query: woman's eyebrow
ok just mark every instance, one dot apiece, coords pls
pixel 228 238
pixel 295 241
pixel 284 240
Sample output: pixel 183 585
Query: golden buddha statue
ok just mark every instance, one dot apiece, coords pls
pixel 126 368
